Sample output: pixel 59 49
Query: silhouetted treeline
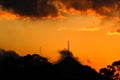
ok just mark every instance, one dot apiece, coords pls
pixel 111 72
pixel 37 67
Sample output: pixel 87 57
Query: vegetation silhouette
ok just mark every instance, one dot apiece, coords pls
pixel 69 68
pixel 111 72
pixel 34 66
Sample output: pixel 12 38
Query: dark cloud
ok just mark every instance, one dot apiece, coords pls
pixel 105 7
pixel 44 8
pixel 30 8
pixel 102 7
pixel 81 5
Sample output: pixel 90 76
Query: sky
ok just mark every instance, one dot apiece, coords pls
pixel 91 26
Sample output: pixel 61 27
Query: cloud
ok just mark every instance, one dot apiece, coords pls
pixel 102 7
pixel 116 31
pixel 55 8
pixel 30 8
pixel 5 15
pixel 113 33
pixel 82 5
pixel 79 29
pixel 88 29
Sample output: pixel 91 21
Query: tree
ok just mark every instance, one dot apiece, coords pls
pixel 112 72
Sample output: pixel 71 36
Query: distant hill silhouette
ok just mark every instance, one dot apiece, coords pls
pixel 38 67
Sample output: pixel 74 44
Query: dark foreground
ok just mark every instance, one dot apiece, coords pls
pixel 37 67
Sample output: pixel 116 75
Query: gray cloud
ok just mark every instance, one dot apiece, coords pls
pixel 30 8
pixel 44 8
pixel 102 7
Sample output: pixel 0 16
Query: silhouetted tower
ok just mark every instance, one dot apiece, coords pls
pixel 68 45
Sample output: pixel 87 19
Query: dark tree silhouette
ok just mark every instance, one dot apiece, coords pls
pixel 34 66
pixel 8 53
pixel 112 72
pixel 69 68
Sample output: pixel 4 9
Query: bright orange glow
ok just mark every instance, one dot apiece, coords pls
pixel 88 36
pixel 8 15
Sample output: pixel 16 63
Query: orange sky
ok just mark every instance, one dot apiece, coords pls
pixel 91 38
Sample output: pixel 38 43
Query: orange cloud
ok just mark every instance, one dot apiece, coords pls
pixel 113 33
pixel 79 29
pixel 7 15
pixel 88 29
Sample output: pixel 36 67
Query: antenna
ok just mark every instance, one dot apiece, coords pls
pixel 68 45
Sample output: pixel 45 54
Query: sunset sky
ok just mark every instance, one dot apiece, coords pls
pixel 91 26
